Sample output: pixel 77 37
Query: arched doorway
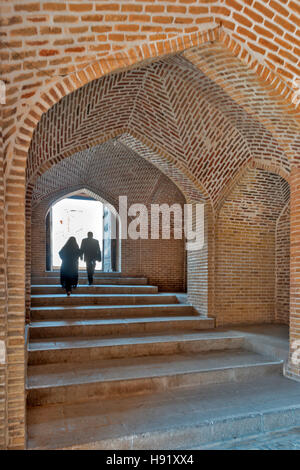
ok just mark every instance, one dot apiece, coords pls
pixel 75 214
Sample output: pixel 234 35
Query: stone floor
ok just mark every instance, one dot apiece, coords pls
pixel 175 419
pixel 272 340
pixel 280 440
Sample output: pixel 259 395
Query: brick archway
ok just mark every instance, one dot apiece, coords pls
pixel 39 214
pixel 122 60
pixel 192 190
pixel 275 87
pixel 16 170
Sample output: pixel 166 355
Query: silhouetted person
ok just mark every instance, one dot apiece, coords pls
pixel 69 254
pixel 90 249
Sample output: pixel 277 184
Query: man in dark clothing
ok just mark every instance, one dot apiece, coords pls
pixel 90 249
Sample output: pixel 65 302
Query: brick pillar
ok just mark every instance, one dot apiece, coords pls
pixel 3 309
pixel 292 369
pixel 15 271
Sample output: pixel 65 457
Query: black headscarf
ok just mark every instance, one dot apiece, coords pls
pixel 70 247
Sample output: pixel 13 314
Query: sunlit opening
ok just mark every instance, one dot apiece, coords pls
pixel 75 217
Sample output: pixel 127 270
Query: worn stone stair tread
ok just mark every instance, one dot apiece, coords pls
pixel 97 280
pixel 96 276
pixel 78 296
pixel 94 290
pixel 46 344
pixel 96 285
pixel 173 419
pixel 114 321
pixel 82 272
pixel 91 288
pixel 98 272
pixel 105 307
pixel 103 326
pixel 103 299
pixel 55 375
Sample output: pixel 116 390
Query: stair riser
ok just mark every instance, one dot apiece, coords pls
pixel 119 329
pixel 97 290
pixel 107 300
pixel 109 312
pixel 97 281
pixel 121 388
pixel 55 356
pixel 200 436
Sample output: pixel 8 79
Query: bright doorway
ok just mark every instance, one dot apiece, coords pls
pixel 75 216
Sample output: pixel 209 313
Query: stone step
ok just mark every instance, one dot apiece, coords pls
pixel 69 349
pixel 82 272
pixel 71 383
pixel 110 311
pixel 97 280
pixel 101 299
pixel 171 420
pixel 44 289
pixel 118 326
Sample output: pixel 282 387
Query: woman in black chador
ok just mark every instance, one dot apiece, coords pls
pixel 69 268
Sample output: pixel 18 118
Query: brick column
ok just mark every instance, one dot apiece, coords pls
pixel 292 369
pixel 3 309
pixel 15 271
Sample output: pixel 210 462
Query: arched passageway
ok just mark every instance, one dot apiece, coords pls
pixel 109 171
pixel 201 156
pixel 200 147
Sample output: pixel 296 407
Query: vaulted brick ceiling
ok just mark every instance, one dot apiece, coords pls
pixel 111 168
pixel 253 96
pixel 182 110
pixel 257 199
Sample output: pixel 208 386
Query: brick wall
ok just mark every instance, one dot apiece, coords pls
pixel 293 367
pixel 245 259
pixel 283 266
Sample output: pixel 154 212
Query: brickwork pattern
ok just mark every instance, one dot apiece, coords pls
pixel 3 305
pixel 293 368
pixel 246 228
pixel 172 125
pixel 50 49
pixel 221 65
pixel 283 266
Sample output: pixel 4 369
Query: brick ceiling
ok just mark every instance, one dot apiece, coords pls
pixel 111 168
pixel 179 110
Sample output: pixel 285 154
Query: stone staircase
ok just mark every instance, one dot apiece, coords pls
pixel 117 340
